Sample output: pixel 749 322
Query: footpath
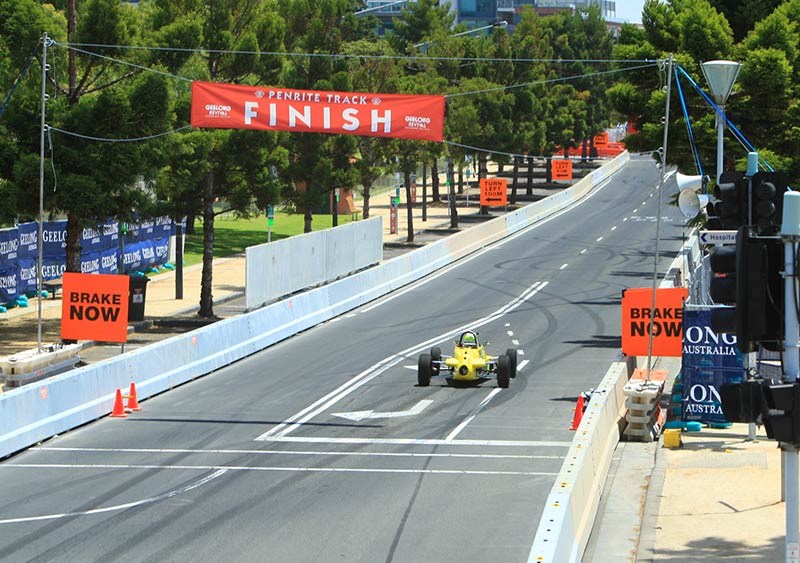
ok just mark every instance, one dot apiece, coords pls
pixel 717 497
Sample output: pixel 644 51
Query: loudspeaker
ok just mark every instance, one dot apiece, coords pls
pixel 690 182
pixel 691 203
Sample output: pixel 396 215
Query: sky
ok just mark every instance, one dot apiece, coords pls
pixel 629 10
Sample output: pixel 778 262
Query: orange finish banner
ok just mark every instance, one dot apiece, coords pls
pixel 94 307
pixel 230 106
pixel 494 192
pixel 666 320
pixel 562 169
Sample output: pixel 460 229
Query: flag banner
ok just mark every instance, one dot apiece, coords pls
pixel 401 116
pixel 709 361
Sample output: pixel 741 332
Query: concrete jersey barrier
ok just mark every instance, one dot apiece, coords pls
pixel 43 409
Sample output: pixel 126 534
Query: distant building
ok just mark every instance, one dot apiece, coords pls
pixel 477 13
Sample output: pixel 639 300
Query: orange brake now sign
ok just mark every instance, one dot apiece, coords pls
pixel 94 307
pixel 666 319
pixel 562 169
pixel 494 192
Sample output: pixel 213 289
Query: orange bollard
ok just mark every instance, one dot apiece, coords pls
pixel 119 409
pixel 133 404
pixel 576 418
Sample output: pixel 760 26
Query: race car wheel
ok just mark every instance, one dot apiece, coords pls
pixel 436 356
pixel 503 371
pixel 424 370
pixel 512 357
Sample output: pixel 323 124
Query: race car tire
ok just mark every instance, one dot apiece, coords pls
pixel 424 370
pixel 512 357
pixel 436 356
pixel 503 371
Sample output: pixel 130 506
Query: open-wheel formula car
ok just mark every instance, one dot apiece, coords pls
pixel 469 362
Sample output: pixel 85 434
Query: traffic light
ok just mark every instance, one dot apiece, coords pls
pixel 760 293
pixel 722 260
pixel 748 278
pixel 782 414
pixel 742 402
pixel 767 201
pixel 730 209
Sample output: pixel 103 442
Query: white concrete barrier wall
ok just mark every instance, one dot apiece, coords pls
pixel 289 265
pixel 40 410
pixel 571 506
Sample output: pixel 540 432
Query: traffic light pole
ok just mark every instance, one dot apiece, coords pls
pixel 790 233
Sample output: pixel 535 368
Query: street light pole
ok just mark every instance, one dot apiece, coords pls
pixel 720 75
pixel 43 130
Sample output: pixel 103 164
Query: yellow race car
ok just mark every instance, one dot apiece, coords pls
pixel 469 362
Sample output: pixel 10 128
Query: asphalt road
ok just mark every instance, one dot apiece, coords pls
pixel 323 448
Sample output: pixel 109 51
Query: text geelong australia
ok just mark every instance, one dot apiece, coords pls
pixel 227 106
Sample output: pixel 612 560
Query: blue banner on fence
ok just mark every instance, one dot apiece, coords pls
pixel 54 239
pixel 26 282
pixel 8 285
pixel 9 248
pixel 709 361
pixel 28 235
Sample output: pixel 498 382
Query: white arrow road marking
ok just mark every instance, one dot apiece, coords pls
pixel 217 472
pixel 326 402
pixel 361 415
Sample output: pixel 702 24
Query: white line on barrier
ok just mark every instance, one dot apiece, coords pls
pixel 171 451
pixel 224 468
pixel 374 371
pixel 522 365
pixel 457 430
pixel 217 472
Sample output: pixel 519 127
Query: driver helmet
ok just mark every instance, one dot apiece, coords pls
pixel 468 339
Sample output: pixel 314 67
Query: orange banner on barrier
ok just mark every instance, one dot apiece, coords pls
pixel 494 192
pixel 666 319
pixel 230 106
pixel 94 307
pixel 601 140
pixel 562 169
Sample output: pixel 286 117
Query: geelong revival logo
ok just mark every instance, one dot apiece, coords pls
pixel 95 307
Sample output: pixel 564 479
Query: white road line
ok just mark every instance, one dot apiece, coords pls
pixel 563 266
pixel 224 468
pixel 217 472
pixel 599 239
pixel 624 219
pixel 522 365
pixel 521 352
pixel 461 261
pixel 644 203
pixel 510 332
pixel 636 210
pixel 614 228
pixel 350 315
pixel 583 251
pixel 507 324
pixel 374 371
pixel 515 342
pixel 172 451
pixel 416 442
pixel 457 430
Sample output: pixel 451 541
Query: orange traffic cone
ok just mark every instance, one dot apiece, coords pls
pixel 119 409
pixel 133 404
pixel 576 418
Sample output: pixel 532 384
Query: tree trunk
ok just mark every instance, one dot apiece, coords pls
pixel 409 206
pixel 435 195
pixel 367 190
pixel 514 178
pixel 483 172
pixel 190 223
pixel 307 217
pixel 451 194
pixel 460 180
pixel 206 279
pixel 584 149
pixel 549 169
pixel 74 244
pixel 529 185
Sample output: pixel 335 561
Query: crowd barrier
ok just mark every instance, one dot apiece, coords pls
pixel 571 506
pixel 43 409
pixel 286 266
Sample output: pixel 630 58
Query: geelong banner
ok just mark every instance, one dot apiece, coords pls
pixel 229 106
pixel 709 361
